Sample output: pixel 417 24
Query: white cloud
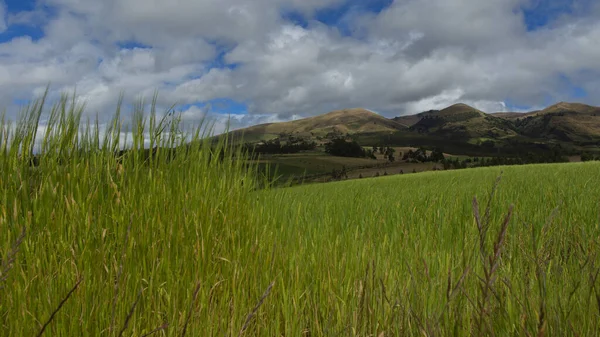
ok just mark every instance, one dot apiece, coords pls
pixel 413 56
pixel 218 123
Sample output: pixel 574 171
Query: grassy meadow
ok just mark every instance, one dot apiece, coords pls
pixel 184 243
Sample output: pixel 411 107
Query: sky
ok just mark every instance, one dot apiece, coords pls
pixel 259 61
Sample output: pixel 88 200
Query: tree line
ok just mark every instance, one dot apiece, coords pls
pixel 288 145
pixel 343 148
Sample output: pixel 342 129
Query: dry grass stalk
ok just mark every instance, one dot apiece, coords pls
pixel 593 288
pixel 484 223
pixel 164 326
pixel 451 291
pixel 260 302
pixel 542 260
pixel 59 307
pixel 189 314
pixel 490 260
pixel 130 314
pixel 573 330
pixel 542 321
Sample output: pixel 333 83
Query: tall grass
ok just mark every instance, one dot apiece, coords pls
pixel 152 223
pixel 414 255
pixel 178 241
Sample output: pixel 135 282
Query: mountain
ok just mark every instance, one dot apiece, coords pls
pixel 459 121
pixel 460 128
pixel 567 122
pixel 347 121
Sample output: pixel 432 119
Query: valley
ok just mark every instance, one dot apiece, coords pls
pixel 561 133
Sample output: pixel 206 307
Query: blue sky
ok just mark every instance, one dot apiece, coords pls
pixel 273 60
pixel 14 7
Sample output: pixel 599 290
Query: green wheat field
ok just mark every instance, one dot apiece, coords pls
pixel 191 243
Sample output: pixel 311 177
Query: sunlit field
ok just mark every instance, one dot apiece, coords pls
pixel 97 242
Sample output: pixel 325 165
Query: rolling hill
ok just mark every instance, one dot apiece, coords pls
pixel 459 121
pixel 572 124
pixel 347 121
pixel 567 122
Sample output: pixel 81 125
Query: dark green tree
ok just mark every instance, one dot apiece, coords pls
pixel 341 147
pixel 437 155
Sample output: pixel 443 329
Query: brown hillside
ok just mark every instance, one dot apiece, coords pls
pixel 571 122
pixel 564 122
pixel 459 121
pixel 508 115
pixel 351 121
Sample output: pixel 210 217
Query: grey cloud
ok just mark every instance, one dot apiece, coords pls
pixel 413 56
pixel 157 22
pixel 470 24
pixel 219 123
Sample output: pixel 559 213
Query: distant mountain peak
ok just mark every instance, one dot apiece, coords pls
pixel 461 109
pixel 562 105
pixel 344 121
pixel 569 106
pixel 460 105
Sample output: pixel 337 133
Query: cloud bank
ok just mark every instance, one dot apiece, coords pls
pixel 274 59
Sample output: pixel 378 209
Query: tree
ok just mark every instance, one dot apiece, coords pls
pixel 339 174
pixel 447 164
pixel 586 157
pixel 437 155
pixel 341 147
pixel 292 144
pixel 420 155
pixel 389 154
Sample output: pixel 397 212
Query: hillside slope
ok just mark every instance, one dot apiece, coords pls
pixel 347 121
pixel 459 121
pixel 568 122
pixel 563 123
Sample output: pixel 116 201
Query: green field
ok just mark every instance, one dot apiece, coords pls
pixel 187 245
pixel 312 163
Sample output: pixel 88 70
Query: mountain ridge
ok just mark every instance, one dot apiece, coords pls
pixel 572 123
pixel 344 121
